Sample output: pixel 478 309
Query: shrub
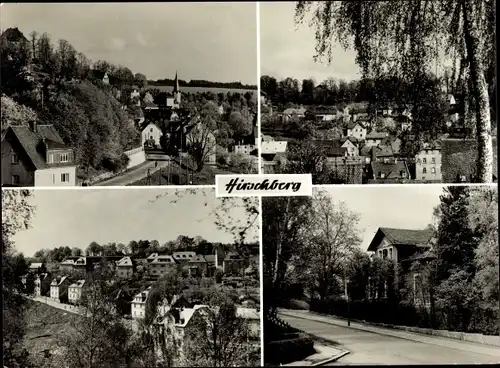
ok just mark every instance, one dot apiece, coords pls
pixel 293 347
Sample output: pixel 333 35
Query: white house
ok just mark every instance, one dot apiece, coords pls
pixel 139 304
pixel 356 130
pixel 75 291
pixel 428 163
pixel 151 132
pixel 351 147
pixel 161 265
pixel 36 156
pixel 59 288
pixel 273 147
pixel 125 268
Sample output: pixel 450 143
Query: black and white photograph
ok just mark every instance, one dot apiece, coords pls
pixel 104 277
pixel 379 92
pixel 382 275
pixel 128 94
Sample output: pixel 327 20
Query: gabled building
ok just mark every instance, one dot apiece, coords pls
pixel 234 264
pixel 125 268
pixel 161 265
pixel 151 132
pixel 139 304
pixel 375 138
pixel 389 171
pixel 36 156
pixel 75 291
pixel 174 100
pixel 351 146
pixel 37 267
pixel 184 257
pixel 42 285
pixel 357 130
pixel 59 288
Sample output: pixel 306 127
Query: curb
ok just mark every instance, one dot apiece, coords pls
pixel 332 359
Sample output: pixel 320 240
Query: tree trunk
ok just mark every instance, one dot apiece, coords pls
pixel 484 165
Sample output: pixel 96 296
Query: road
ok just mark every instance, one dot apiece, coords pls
pixel 134 175
pixel 400 348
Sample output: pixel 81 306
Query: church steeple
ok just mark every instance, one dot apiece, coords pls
pixel 176 83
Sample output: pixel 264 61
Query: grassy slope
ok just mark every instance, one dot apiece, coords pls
pixel 45 325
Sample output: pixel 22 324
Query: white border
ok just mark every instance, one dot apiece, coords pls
pixel 258 89
pixel 261 279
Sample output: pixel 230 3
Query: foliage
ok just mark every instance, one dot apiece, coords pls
pixel 15 114
pixel 403 39
pixel 217 337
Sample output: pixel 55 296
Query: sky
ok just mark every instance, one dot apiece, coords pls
pixel 287 50
pixel 75 217
pixel 397 206
pixel 210 41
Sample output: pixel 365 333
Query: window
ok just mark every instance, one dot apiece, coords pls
pixel 64 157
pixel 151 130
pixel 433 170
pixel 390 253
pixel 15 158
pixel 65 178
pixel 424 170
pixel 15 180
pixel 424 160
pixel 433 160
pixel 382 175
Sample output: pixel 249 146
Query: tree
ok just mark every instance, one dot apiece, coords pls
pixel 217 337
pixel 94 249
pixel 307 91
pixel 240 127
pixel 201 142
pixel 76 252
pixel 403 37
pixel 140 80
pixel 17 213
pixel 285 223
pixel 15 114
pixel 98 339
pixel 333 240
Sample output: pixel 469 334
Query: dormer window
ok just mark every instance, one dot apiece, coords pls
pixel 64 157
pixel 14 158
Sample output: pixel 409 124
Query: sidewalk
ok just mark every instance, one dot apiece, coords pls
pixel 426 339
pixel 324 354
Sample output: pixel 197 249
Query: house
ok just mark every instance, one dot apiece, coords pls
pixel 183 257
pixel 75 291
pixel 403 122
pixel 234 264
pixel 375 138
pixel 251 316
pixel 382 153
pixel 351 145
pixel 37 267
pixel 332 147
pixel 139 304
pixel 198 266
pixel 325 114
pixel 161 265
pixel 68 264
pixel 244 149
pixel 357 113
pixel 389 171
pixel 356 130
pixel 273 147
pixel 42 284
pixel 151 133
pixel 428 163
pixel 36 156
pixel 125 268
pixel 294 112
pixel 59 288
pixel 105 79
pixel 401 246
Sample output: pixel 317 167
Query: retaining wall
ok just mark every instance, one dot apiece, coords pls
pixel 136 157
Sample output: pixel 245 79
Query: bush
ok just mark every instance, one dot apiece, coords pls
pixel 296 304
pixel 293 347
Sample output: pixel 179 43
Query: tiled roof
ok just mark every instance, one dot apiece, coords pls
pixel 164 259
pixel 36 265
pixel 125 261
pixel 232 256
pixel 210 258
pixel 365 151
pixel 272 147
pixel 184 255
pixel 391 169
pixel 78 284
pixel 30 142
pixel 406 236
pixel 198 258
pixel 376 135
pixel 401 237
pixel 353 124
pixel 383 151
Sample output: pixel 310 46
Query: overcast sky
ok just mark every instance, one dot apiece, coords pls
pixel 211 41
pixel 287 50
pixel 396 206
pixel 75 218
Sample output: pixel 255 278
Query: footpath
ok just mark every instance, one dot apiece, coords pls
pixel 402 334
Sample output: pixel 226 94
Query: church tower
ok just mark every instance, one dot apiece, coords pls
pixel 177 92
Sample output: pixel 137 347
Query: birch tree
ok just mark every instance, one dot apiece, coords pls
pixel 406 37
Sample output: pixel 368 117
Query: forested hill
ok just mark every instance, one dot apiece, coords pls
pixel 202 83
pixel 54 84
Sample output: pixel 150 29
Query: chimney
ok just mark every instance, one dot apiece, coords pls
pixel 33 126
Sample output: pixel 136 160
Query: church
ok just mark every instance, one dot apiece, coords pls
pixel 174 99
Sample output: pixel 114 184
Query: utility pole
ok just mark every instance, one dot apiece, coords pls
pixel 346 281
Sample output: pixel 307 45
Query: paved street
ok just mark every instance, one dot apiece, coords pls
pixel 376 347
pixel 134 175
